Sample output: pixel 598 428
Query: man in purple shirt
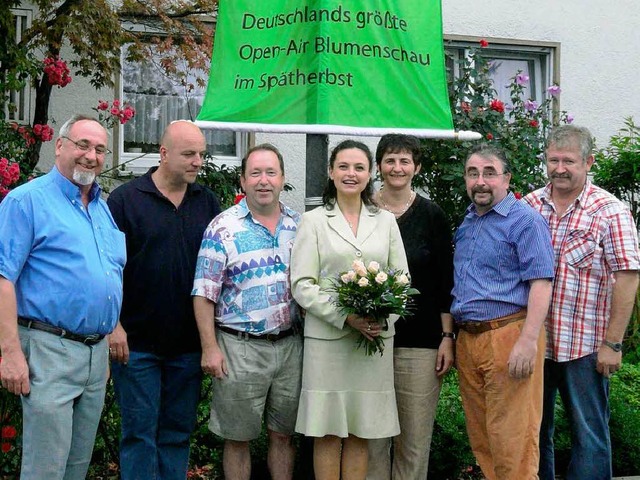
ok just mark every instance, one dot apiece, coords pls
pixel 503 266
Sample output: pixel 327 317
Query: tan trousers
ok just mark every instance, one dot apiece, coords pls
pixel 503 414
pixel 417 391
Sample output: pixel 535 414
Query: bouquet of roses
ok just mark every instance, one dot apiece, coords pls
pixel 369 291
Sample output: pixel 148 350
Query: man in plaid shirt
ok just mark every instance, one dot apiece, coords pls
pixel 596 249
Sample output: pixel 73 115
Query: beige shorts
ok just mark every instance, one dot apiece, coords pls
pixel 264 379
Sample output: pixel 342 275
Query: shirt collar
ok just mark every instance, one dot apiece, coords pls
pixel 146 184
pixel 243 209
pixel 501 208
pixel 581 199
pixel 70 189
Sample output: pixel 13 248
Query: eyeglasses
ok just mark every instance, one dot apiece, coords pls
pixel 85 146
pixel 487 175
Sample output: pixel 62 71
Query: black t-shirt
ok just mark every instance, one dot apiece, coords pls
pixel 162 248
pixel 427 240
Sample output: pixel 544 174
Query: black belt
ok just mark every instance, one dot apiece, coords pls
pixel 60 332
pixel 271 337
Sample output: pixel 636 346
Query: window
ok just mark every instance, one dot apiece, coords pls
pixel 537 60
pixel 18 106
pixel 158 100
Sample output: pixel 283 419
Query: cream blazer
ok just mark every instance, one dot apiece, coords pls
pixel 325 246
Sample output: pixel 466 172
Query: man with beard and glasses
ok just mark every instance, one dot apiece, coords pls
pixel 61 263
pixel 596 247
pixel 503 266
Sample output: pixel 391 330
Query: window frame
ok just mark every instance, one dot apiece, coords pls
pixel 132 163
pixel 544 55
pixel 21 98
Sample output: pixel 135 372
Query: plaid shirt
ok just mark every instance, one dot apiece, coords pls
pixel 593 238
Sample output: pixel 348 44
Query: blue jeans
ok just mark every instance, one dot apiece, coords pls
pixel 158 397
pixel 585 395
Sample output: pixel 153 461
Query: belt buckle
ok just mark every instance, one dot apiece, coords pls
pixel 271 337
pixel 91 339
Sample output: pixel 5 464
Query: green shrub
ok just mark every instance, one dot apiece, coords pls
pixel 450 455
pixel 625 420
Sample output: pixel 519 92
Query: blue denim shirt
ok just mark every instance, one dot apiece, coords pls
pixel 65 261
pixel 496 255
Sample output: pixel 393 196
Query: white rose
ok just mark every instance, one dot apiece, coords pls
pixel 402 279
pixel 381 278
pixel 373 267
pixel 348 277
pixel 359 268
pixel 363 282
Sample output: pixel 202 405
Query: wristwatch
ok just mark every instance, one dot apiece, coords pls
pixel 615 346
pixel 450 335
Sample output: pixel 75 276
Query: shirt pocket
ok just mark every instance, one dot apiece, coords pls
pixel 580 249
pixel 115 243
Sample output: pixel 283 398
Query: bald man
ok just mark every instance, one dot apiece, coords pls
pixel 155 348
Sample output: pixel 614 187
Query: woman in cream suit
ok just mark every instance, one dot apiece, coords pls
pixel 347 397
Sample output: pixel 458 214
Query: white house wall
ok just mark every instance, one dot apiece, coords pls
pixel 599 67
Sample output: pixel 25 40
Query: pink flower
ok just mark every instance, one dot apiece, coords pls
pixel 115 111
pixel 497 105
pixel 484 43
pixel 57 72
pixel 554 90
pixel 44 133
pixel 569 118
pixel 116 103
pixel 465 107
pixel 128 112
pixel 522 79
pixel 518 195
pixel 102 105
pixel 530 105
pixel 489 136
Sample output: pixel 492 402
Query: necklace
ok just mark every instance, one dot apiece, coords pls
pixel 398 213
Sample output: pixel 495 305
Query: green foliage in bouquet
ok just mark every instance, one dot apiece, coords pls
pixel 370 291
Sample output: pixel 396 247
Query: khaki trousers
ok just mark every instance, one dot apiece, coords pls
pixel 503 414
pixel 417 391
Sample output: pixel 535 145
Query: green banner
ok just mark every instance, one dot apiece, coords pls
pixel 319 66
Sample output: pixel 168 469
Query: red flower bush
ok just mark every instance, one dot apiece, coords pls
pixel 9 432
pixel 497 105
pixel 534 124
pixel 43 132
pixel 57 72
pixel 9 174
pixel 111 115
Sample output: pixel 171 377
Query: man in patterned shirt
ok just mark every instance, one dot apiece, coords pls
pixel 254 350
pixel 597 261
